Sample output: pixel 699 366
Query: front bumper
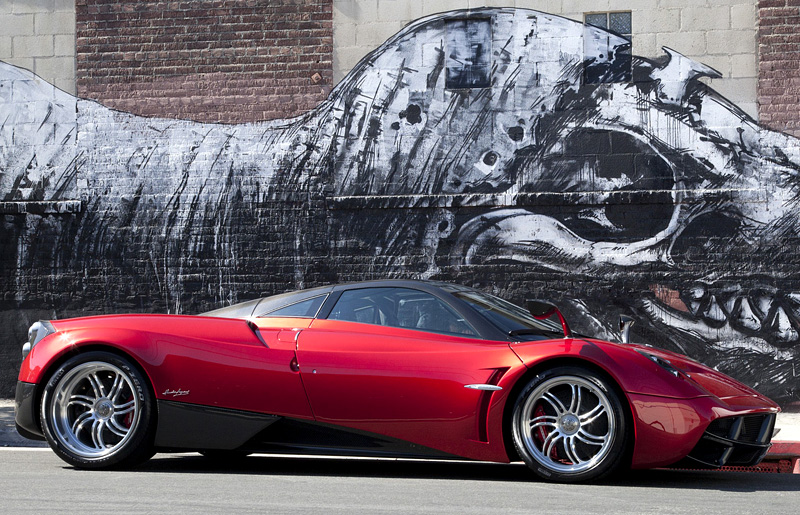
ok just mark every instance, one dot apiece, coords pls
pixel 25 411
pixel 740 441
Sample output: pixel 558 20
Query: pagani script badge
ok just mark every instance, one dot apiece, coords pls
pixel 175 393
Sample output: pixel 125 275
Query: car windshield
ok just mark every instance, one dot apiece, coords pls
pixel 510 318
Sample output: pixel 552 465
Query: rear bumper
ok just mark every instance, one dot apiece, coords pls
pixel 25 411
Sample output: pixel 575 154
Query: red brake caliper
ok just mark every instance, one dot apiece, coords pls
pixel 542 432
pixel 128 420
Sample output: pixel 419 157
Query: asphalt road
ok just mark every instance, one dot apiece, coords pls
pixel 36 481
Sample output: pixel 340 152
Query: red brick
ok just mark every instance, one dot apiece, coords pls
pixel 198 59
pixel 779 64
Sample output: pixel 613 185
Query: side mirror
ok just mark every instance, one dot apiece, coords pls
pixel 625 324
pixel 542 310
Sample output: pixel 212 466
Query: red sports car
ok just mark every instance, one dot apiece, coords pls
pixel 382 368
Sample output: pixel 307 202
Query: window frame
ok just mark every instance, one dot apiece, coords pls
pixel 628 36
pixel 448 82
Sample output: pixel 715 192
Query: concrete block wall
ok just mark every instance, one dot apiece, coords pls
pixel 39 35
pixel 719 33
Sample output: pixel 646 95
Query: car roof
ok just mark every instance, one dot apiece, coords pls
pixel 266 304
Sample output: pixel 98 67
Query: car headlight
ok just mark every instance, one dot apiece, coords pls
pixel 662 362
pixel 36 333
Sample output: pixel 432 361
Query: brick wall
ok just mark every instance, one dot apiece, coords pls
pixel 779 64
pixel 210 60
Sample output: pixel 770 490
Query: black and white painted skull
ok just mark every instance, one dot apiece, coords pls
pixel 669 200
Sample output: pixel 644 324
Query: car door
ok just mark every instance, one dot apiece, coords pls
pixel 395 361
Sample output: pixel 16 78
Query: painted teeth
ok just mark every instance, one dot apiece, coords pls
pixel 760 310
pixel 782 327
pixel 743 315
pixel 714 312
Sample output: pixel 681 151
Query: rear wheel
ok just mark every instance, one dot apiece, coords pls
pixel 97 412
pixel 569 425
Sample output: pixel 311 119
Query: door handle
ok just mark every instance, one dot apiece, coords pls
pixel 294 365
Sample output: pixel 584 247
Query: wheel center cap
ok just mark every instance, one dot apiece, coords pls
pixel 570 424
pixel 104 408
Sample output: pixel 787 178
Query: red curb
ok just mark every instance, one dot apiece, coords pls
pixel 783 458
pixel 784 448
pixel 786 455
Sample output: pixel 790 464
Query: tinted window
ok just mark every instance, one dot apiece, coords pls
pixel 509 317
pixel 306 308
pixel 400 307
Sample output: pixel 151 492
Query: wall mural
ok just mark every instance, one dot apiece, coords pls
pixel 508 149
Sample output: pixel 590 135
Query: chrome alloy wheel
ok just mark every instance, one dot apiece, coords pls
pixel 95 410
pixel 567 424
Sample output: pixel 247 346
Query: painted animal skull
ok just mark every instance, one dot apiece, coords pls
pixel 655 184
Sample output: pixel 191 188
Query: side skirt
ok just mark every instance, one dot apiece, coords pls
pixel 191 426
pixel 184 426
pixel 293 436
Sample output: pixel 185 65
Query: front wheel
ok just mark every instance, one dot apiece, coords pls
pixel 97 412
pixel 569 425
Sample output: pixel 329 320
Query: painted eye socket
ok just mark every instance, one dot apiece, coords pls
pixel 622 188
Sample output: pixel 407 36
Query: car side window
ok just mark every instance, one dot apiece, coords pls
pixel 400 307
pixel 305 308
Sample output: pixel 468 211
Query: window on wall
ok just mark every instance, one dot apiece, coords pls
pixel 468 53
pixel 613 62
pixel 619 22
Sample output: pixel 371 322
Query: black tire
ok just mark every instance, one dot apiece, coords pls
pixel 569 425
pixel 97 412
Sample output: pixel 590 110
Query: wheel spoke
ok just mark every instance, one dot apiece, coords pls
pixel 550 442
pixel 84 417
pixel 97 429
pixel 591 416
pixel 589 438
pixel 116 388
pixel 575 401
pixel 116 428
pixel 81 400
pixel 121 409
pixel 97 385
pixel 554 402
pixel 544 420
pixel 571 452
